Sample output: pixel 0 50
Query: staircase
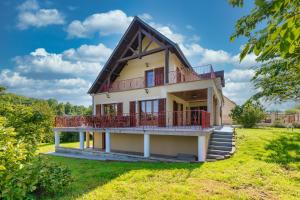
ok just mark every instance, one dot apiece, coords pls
pixel 221 145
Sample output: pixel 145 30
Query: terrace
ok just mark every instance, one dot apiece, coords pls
pixel 179 76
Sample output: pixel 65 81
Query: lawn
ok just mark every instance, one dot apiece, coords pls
pixel 266 165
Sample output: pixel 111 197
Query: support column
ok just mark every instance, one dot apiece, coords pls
pixel 57 138
pixel 107 141
pixel 81 140
pixel 210 104
pixel 146 145
pixel 201 149
pixel 87 139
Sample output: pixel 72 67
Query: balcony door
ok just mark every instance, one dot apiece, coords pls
pixel 149 112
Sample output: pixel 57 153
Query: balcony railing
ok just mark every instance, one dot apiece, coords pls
pixel 183 119
pixel 178 76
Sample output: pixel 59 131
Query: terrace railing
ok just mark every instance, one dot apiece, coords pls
pixel 184 119
pixel 178 76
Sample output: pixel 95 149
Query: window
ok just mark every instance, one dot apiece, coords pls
pixel 150 78
pixel 149 106
pixel 110 109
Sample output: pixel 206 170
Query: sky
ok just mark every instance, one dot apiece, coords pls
pixel 55 48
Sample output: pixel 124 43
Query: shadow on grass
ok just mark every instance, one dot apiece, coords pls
pixel 91 174
pixel 284 150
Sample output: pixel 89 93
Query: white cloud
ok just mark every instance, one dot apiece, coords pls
pixel 115 21
pixel 29 5
pixel 66 76
pixel 166 31
pixel 83 61
pixel 30 14
pixel 189 27
pixel 240 74
pixel 90 53
pixel 238 86
pixel 145 17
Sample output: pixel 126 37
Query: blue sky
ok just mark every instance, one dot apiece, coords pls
pixel 56 48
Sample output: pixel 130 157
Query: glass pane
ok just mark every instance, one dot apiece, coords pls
pixel 142 106
pixel 155 106
pixel 150 78
pixel 148 106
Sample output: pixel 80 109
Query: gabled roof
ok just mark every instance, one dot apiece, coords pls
pixel 135 25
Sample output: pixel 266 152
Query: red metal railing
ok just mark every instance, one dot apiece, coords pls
pixel 183 119
pixel 179 76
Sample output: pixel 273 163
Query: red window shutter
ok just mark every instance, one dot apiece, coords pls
pixel 132 114
pixel 98 109
pixel 159 76
pixel 162 112
pixel 120 109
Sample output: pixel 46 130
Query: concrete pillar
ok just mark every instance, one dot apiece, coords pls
pixel 87 139
pixel 57 138
pixel 210 104
pixel 201 149
pixel 107 140
pixel 146 145
pixel 81 140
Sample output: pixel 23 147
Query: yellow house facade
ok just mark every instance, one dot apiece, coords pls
pixel 149 101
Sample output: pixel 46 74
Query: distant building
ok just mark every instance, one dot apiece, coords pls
pixel 226 108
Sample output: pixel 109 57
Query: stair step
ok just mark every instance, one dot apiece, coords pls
pixel 222 139
pixel 218 152
pixel 227 144
pixel 223 136
pixel 215 156
pixel 223 148
pixel 223 133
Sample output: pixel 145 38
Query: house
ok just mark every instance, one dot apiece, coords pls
pixel 149 101
pixel 227 106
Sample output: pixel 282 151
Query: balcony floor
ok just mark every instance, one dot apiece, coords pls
pixel 154 130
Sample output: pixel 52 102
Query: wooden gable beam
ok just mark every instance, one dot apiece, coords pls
pixel 151 37
pixel 148 45
pixel 143 54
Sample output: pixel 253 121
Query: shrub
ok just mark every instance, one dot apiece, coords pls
pixel 278 124
pixel 296 124
pixel 52 178
pixel 22 173
pixel 248 114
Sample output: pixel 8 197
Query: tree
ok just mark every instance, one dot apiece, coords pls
pixel 2 89
pixel 249 114
pixel 276 45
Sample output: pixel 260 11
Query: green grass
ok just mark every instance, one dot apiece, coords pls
pixel 266 165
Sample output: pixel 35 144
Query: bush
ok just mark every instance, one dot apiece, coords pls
pixel 248 114
pixel 296 124
pixel 22 173
pixel 52 178
pixel 278 124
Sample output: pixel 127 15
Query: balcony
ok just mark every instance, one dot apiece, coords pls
pixel 174 77
pixel 197 119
